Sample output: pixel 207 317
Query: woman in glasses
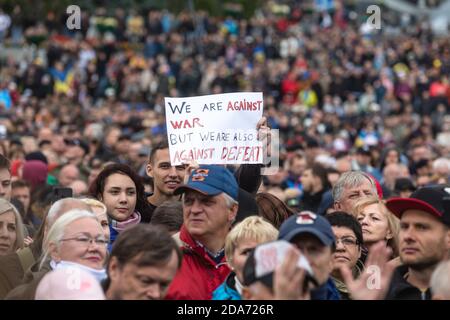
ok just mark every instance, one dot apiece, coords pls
pixel 75 242
pixel 349 239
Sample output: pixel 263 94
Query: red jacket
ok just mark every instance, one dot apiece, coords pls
pixel 199 275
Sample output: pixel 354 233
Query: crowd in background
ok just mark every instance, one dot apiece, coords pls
pixel 342 95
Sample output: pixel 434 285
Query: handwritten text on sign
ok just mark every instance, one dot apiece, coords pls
pixel 215 129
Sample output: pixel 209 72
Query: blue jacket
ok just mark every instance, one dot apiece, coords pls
pixel 227 290
pixel 327 291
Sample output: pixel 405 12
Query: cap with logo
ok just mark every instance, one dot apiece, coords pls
pixel 262 262
pixel 307 222
pixel 211 180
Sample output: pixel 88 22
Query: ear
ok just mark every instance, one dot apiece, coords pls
pixel 389 235
pixel 233 212
pixel 113 268
pixel 331 261
pixel 337 206
pixel 53 251
pixel 149 170
pixel 447 239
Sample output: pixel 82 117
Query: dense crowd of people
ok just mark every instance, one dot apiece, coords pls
pixel 85 174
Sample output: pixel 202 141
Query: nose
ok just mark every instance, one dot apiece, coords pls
pixel 407 235
pixel 4 232
pixel 196 206
pixel 95 248
pixel 173 172
pixel 123 197
pixel 339 245
pixel 153 292
pixel 364 221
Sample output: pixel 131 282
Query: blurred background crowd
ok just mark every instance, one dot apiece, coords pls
pixel 341 93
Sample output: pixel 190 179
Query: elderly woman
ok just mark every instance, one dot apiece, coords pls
pixel 242 239
pixel 11 228
pixel 76 241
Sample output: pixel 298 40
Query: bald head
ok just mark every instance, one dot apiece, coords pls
pixel 45 134
pixel 393 171
pixel 343 165
pixel 68 174
pixel 79 187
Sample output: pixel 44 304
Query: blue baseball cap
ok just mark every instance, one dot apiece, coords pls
pixel 307 222
pixel 211 180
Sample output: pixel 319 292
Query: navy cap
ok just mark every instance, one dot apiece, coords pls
pixel 363 150
pixel 78 142
pixel 263 260
pixel 211 180
pixel 307 222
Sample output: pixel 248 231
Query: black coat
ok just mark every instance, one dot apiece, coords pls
pixel 400 289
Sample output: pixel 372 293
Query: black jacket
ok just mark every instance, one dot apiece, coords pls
pixel 311 202
pixel 400 289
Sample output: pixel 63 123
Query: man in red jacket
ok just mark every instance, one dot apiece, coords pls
pixel 209 208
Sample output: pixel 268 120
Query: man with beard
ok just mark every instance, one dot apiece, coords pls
pixel 424 240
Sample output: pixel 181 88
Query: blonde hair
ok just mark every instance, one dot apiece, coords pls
pixel 6 206
pixel 58 229
pixel 393 222
pixel 94 203
pixel 254 228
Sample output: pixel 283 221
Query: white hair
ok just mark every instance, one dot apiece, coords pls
pixel 441 163
pixel 351 179
pixel 60 207
pixel 229 200
pixel 58 229
pixel 440 280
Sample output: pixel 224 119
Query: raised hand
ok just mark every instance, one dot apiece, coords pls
pixel 374 282
pixel 264 134
pixel 190 166
pixel 288 278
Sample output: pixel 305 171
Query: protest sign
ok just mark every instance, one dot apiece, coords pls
pixel 214 129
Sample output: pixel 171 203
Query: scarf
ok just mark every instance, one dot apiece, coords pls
pixel 100 275
pixel 132 220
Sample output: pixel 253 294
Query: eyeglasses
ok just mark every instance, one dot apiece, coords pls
pixel 347 242
pixel 86 241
